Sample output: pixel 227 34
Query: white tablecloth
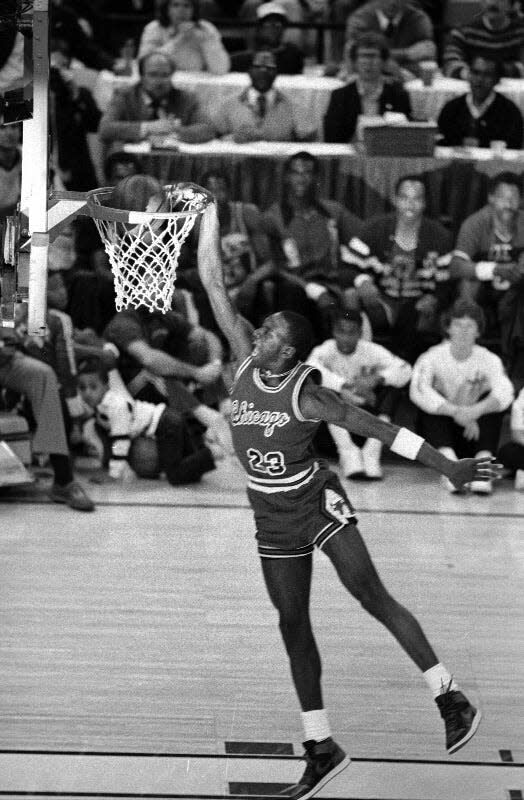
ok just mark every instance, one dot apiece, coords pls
pixel 309 93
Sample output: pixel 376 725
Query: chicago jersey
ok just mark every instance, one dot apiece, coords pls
pixel 271 437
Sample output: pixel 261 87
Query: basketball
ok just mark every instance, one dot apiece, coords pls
pixel 139 193
pixel 143 457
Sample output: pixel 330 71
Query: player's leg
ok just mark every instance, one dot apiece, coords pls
pixel 288 581
pixel 350 557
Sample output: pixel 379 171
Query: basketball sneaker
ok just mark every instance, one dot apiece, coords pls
pixel 461 719
pixel 481 487
pixel 324 760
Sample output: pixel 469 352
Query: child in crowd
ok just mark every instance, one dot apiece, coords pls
pixel 182 459
pixel 366 374
pixel 511 453
pixel 462 390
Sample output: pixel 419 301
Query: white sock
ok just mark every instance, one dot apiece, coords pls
pixel 373 447
pixel 449 453
pixel 439 680
pixel 316 725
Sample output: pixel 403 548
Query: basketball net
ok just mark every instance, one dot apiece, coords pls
pixel 144 247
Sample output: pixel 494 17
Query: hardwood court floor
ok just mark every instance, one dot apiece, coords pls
pixel 145 628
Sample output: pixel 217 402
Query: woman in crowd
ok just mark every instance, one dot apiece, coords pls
pixel 193 44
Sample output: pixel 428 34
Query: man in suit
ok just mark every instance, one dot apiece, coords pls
pixel 153 108
pixel 369 92
pixel 259 112
pixel 482 115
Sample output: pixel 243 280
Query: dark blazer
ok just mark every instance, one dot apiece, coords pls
pixel 502 121
pixel 344 109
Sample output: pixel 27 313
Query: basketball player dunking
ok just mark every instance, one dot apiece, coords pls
pixel 299 505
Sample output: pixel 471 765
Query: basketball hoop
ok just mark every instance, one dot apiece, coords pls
pixel 144 246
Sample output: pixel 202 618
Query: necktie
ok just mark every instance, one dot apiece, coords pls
pixel 155 109
pixel 390 29
pixel 262 105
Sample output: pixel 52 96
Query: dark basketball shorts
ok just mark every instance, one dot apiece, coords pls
pixel 292 524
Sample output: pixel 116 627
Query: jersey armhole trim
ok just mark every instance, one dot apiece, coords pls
pixel 308 370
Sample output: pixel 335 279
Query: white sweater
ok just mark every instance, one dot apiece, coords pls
pixel 337 368
pixel 438 377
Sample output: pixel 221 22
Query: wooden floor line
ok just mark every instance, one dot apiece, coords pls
pixel 255 756
pixel 175 796
pixel 408 512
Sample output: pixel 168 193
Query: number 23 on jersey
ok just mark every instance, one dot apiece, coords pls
pixel 271 463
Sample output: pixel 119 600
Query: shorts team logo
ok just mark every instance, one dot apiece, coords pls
pixel 337 506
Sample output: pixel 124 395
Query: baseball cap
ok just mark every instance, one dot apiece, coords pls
pixel 271 8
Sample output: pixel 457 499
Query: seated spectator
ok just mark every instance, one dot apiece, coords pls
pixel 365 374
pixel 370 93
pixel 10 170
pixel 488 252
pixel 57 347
pixel 272 20
pixel 38 383
pixel 124 419
pixel 307 232
pixel 74 114
pixel 462 391
pixel 255 284
pixel 193 44
pixel 153 108
pixel 407 29
pixel 241 224
pixel 296 11
pixel 260 112
pixel 496 33
pixel 511 451
pixel 403 258
pixel 151 374
pixel 482 115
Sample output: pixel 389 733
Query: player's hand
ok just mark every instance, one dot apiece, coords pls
pixel 511 272
pixel 473 469
pixel 209 373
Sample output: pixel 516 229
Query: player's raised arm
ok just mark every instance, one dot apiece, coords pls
pixel 232 324
pixel 319 403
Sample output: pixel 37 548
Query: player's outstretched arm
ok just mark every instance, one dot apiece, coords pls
pixel 232 324
pixel 317 402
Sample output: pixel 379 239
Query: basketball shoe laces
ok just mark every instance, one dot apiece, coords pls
pixel 451 708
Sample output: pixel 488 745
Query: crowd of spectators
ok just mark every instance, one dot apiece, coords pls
pixel 408 311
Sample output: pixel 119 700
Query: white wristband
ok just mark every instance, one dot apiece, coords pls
pixel 484 270
pixel 407 444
